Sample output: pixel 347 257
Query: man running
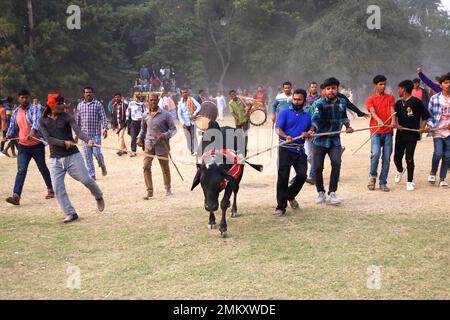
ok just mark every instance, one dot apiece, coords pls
pixel 24 125
pixel 410 113
pixel 90 116
pixel 291 123
pixel 439 109
pixel 57 126
pixel 329 114
pixel 134 119
pixel 156 131
pixel 381 107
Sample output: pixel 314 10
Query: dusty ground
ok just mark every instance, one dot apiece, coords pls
pixel 162 249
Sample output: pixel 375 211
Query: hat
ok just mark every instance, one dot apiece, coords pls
pixel 51 99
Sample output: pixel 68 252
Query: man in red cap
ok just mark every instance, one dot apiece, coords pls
pixel 56 126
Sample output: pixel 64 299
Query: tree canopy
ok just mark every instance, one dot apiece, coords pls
pixel 215 43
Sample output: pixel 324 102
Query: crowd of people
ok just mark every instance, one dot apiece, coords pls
pixel 156 78
pixel 308 123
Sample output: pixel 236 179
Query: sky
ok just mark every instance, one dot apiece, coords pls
pixel 446 5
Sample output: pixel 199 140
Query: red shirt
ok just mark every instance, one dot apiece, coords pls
pixel 418 93
pixel 260 96
pixel 24 129
pixel 383 106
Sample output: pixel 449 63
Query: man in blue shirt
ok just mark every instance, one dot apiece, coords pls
pixel 328 115
pixel 291 123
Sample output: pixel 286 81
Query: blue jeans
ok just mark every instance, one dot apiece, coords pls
pixel 90 152
pixel 74 166
pixel 25 154
pixel 381 146
pixel 441 151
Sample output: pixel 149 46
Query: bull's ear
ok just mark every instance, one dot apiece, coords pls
pixel 196 181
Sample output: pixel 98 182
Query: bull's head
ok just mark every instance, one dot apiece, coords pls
pixel 211 177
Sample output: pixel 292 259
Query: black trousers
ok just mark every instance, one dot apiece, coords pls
pixel 286 159
pixel 403 147
pixel 135 128
pixel 335 154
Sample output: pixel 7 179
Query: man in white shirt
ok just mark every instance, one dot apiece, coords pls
pixel 221 104
pixel 134 118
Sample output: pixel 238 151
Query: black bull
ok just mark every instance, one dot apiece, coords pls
pixel 214 170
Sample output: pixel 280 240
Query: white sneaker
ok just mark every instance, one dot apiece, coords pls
pixel 322 198
pixel 443 184
pixel 399 176
pixel 431 179
pixel 410 186
pixel 334 199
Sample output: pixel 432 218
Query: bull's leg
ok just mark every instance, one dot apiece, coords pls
pixel 224 205
pixel 234 208
pixel 212 221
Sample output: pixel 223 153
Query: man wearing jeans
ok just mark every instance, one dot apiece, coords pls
pixel 439 109
pixel 90 117
pixel 381 107
pixel 25 125
pixel 188 109
pixel 329 114
pixel 57 126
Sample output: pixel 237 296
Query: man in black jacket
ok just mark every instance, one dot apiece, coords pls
pixel 119 121
pixel 56 126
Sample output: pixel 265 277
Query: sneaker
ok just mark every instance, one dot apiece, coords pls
pixel 169 193
pixel 399 176
pixel 432 179
pixel 132 154
pixel 119 153
pixel 294 204
pixel 70 218
pixel 371 184
pixel 15 200
pixel 310 181
pixel 50 194
pixel 334 199
pixel 100 204
pixel 321 198
pixel 384 188
pixel 410 186
pixel 279 213
pixel 104 172
pixel 149 196
pixel 443 184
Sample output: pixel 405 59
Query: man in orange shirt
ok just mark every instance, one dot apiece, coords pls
pixel 381 107
pixel 25 126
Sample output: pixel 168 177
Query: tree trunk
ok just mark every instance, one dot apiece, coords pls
pixel 30 24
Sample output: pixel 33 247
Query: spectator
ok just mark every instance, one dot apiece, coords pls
pixel 144 73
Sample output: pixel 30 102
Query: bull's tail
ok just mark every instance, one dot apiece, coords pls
pixel 257 167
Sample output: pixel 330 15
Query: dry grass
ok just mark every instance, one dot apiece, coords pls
pixel 161 249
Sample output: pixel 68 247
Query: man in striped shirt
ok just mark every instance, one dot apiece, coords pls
pixel 90 117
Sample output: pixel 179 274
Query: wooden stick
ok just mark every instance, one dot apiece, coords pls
pixel 372 135
pixel 301 137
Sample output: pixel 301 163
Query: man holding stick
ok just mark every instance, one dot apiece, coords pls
pixel 156 130
pixel 291 123
pixel 381 108
pixel 56 126
pixel 439 108
pixel 329 114
pixel 410 113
